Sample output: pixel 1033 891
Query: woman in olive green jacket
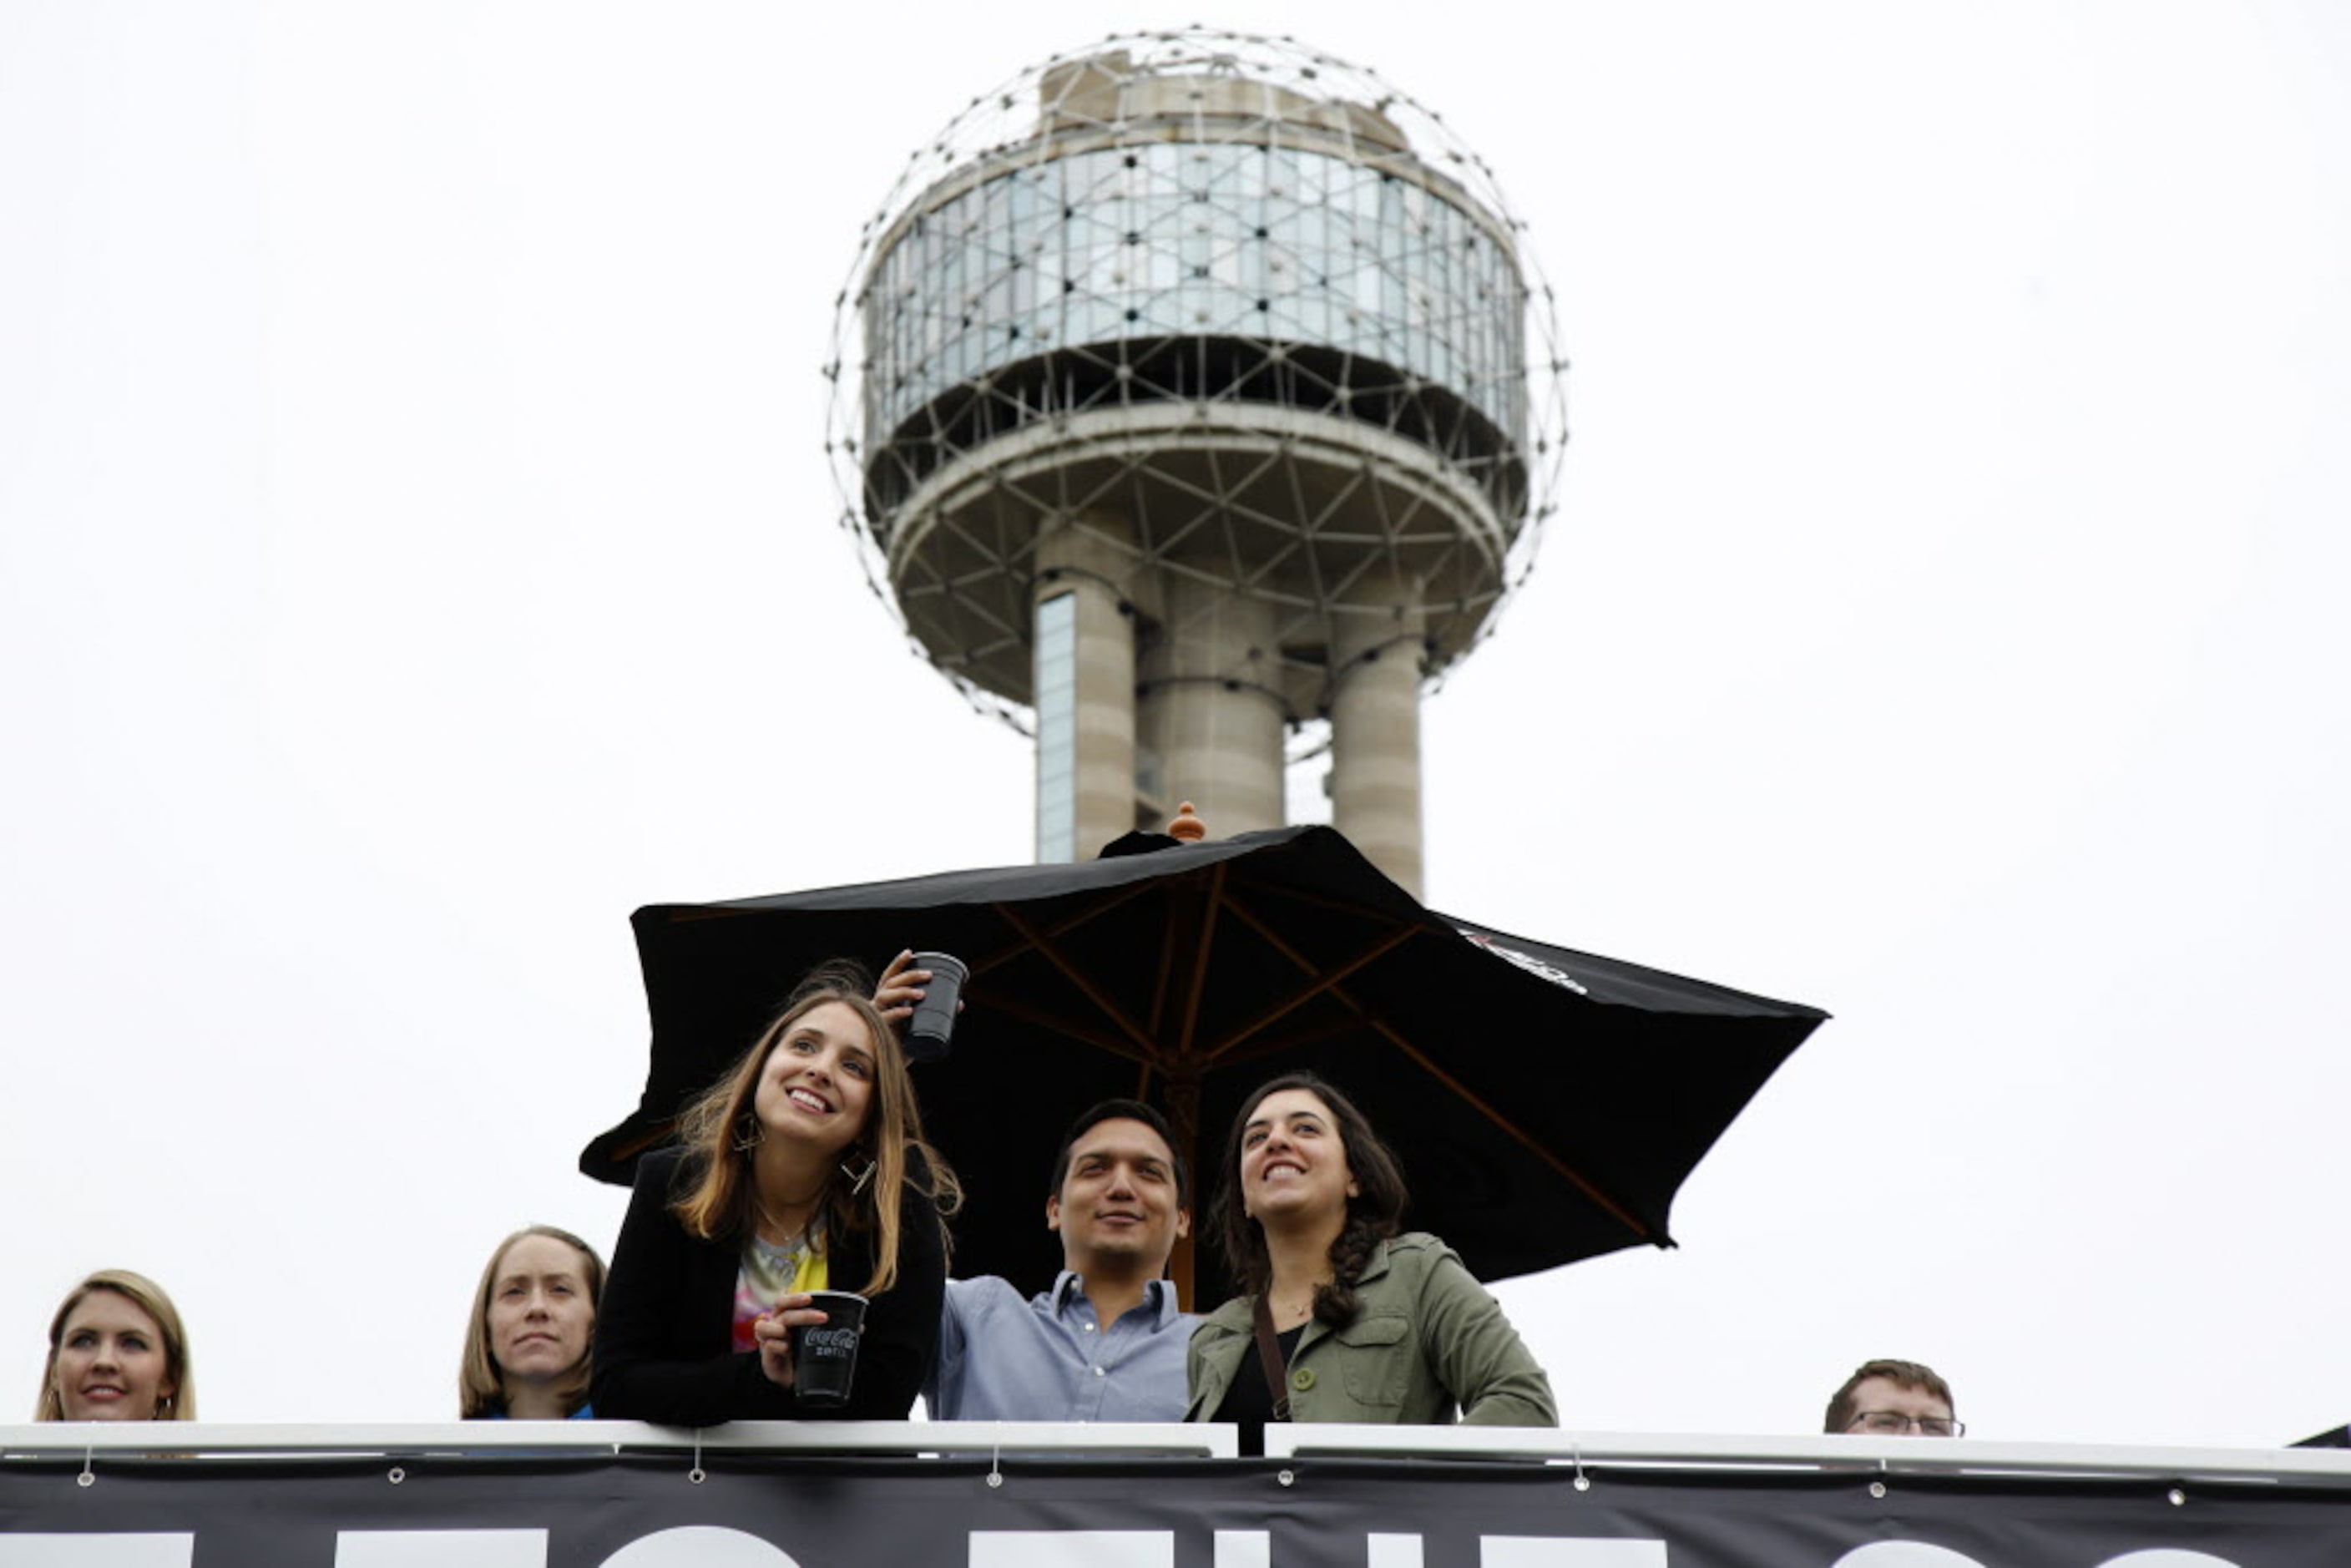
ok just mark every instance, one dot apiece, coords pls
pixel 1347 1319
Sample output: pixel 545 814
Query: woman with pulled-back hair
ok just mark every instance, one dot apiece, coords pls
pixel 1342 1318
pixel 804 1168
pixel 526 1356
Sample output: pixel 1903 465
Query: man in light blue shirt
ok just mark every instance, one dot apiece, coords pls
pixel 1106 1343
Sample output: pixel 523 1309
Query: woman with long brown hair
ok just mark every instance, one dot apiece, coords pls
pixel 803 1168
pixel 1341 1318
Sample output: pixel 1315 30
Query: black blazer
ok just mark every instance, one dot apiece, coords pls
pixel 666 1327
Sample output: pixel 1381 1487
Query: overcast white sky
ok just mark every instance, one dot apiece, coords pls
pixel 416 552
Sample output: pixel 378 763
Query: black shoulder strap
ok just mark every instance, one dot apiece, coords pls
pixel 1268 1357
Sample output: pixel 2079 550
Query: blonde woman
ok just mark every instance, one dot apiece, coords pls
pixel 534 1318
pixel 803 1168
pixel 117 1352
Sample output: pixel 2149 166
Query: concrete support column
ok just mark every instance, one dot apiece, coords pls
pixel 1376 657
pixel 1211 710
pixel 1084 689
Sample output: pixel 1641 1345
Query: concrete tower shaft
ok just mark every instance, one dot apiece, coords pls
pixel 1194 334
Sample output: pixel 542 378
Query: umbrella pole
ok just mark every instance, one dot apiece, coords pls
pixel 1184 1120
pixel 1183 1068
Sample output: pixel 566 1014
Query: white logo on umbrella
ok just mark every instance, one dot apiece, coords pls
pixel 1527 961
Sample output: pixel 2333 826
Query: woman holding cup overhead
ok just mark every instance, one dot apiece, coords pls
pixel 1342 1318
pixel 803 1170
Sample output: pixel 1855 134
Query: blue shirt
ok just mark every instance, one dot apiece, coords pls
pixel 1047 1359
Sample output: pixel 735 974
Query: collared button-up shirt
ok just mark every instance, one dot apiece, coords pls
pixel 1047 1359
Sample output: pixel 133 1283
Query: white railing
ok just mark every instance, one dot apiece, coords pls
pixel 1708 1451
pixel 1915 1455
pixel 73 1439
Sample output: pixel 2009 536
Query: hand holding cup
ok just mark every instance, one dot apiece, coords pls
pixel 923 991
pixel 828 1354
pixel 900 987
pixel 773 1330
pixel 932 1024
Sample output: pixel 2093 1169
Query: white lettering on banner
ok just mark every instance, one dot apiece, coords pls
pixel 1244 1549
pixel 97 1551
pixel 1904 1554
pixel 441 1549
pixel 1568 1551
pixel 700 1546
pixel 711 1546
pixel 1072 1549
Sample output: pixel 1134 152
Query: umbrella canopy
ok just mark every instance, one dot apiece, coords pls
pixel 1546 1104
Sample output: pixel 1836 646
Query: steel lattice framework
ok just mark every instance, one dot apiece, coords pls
pixel 1244 306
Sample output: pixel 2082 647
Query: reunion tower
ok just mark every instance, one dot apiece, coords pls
pixel 1184 401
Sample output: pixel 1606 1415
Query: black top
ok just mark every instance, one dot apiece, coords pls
pixel 666 1328
pixel 1248 1403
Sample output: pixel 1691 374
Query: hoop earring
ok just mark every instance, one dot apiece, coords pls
pixel 859 1179
pixel 747 1133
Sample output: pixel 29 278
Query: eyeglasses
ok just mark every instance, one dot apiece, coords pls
pixel 1894 1424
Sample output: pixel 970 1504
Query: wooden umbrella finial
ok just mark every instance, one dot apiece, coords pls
pixel 1185 827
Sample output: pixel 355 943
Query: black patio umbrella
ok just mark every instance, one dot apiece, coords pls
pixel 1546 1104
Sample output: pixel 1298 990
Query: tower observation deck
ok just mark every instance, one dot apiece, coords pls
pixel 1184 401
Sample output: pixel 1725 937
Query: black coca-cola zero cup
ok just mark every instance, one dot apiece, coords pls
pixel 929 1030
pixel 825 1358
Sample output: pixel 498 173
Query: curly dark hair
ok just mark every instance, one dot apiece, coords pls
pixel 1373 1214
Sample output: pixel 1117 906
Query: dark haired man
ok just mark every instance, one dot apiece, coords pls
pixel 1894 1399
pixel 1106 1343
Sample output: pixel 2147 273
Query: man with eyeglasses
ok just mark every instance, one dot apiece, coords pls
pixel 1894 1399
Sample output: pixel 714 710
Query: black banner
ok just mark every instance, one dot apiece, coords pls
pixel 761 1511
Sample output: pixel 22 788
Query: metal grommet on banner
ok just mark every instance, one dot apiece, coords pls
pixel 996 1459
pixel 1582 1481
pixel 88 1477
pixel 2179 1499
pixel 1877 1488
pixel 697 1475
pixel 395 1475
pixel 1287 1478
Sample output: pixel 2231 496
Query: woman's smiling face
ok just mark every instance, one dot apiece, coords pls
pixel 110 1363
pixel 816 1084
pixel 1293 1163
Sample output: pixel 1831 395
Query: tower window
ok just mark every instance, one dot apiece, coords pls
pixel 1057 728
